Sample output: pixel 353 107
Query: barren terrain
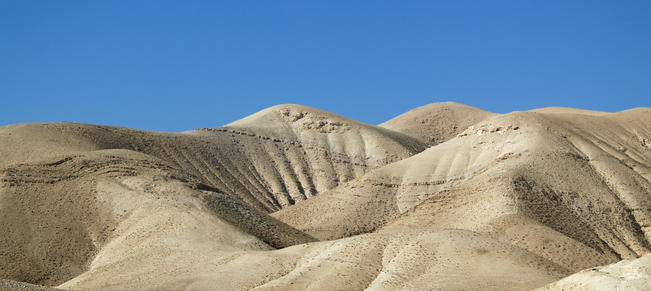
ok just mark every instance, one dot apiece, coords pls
pixel 445 197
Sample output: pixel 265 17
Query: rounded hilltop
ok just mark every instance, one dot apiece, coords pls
pixel 436 122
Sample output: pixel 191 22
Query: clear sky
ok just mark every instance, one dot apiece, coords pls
pixel 178 65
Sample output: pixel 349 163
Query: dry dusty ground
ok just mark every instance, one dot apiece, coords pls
pixel 445 197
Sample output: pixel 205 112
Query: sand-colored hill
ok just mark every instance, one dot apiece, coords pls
pixel 500 201
pixel 386 261
pixel 567 110
pixel 632 274
pixel 61 215
pixel 437 122
pixel 300 151
pixel 269 166
pixel 571 188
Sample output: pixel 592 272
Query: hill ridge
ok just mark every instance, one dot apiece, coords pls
pixel 293 197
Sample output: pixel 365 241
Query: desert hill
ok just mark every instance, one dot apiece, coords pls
pixel 297 198
pixel 269 167
pixel 437 122
pixel 631 274
pixel 61 215
pixel 567 110
pixel 379 261
pixel 571 188
pixel 300 151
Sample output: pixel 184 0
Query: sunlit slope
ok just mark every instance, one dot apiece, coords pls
pixel 437 122
pixel 512 201
pixel 567 110
pixel 63 216
pixel 571 188
pixel 300 151
pixel 268 167
pixel 415 259
pixel 634 274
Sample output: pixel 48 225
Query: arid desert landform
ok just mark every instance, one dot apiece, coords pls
pixel 445 197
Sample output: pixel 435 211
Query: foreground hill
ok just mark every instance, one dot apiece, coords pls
pixel 297 198
pixel 624 275
pixel 59 217
pixel 386 261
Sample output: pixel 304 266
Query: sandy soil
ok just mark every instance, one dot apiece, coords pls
pixel 631 274
pixel 445 197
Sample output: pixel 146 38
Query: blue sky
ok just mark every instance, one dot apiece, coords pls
pixel 178 65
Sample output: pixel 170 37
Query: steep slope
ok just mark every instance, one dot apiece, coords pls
pixel 58 217
pixel 437 122
pixel 571 188
pixel 624 275
pixel 268 167
pixel 300 151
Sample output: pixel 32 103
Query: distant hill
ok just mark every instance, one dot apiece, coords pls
pixel 437 122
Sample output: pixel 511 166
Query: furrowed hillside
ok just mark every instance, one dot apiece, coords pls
pixel 295 198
